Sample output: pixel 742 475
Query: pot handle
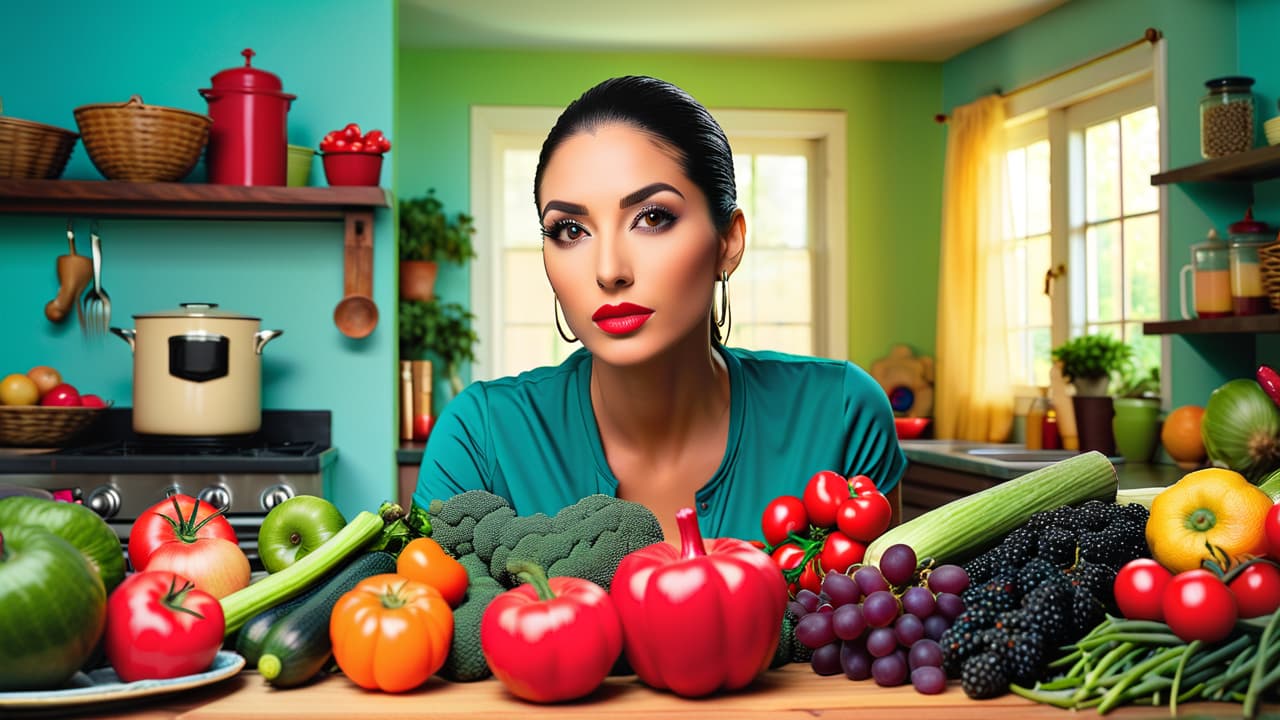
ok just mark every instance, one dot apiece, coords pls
pixel 262 337
pixel 126 334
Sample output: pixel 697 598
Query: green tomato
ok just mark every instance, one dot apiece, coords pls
pixel 53 607
pixel 74 523
pixel 294 528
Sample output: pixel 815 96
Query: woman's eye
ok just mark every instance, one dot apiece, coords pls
pixel 566 231
pixel 653 219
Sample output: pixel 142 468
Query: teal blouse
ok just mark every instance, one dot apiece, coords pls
pixel 533 440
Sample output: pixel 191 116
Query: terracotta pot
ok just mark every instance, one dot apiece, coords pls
pixel 418 279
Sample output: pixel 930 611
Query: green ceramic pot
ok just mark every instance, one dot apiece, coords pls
pixel 1136 424
pixel 301 159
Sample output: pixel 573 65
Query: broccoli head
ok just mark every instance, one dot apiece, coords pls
pixel 454 520
pixel 466 659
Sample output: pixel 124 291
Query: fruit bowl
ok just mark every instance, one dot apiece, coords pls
pixel 44 426
pixel 910 427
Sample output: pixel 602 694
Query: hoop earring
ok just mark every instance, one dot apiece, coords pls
pixel 555 310
pixel 724 318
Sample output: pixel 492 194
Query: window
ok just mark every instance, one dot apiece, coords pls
pixel 1082 240
pixel 790 173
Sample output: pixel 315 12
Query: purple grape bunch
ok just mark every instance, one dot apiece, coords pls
pixel 882 622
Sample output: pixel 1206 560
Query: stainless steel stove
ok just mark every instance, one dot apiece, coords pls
pixel 120 474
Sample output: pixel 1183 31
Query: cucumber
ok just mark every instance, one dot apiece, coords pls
pixel 248 642
pixel 297 646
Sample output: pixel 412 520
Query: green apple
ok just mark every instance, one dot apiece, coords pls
pixel 294 528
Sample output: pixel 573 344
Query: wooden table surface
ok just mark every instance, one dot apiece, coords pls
pixel 791 692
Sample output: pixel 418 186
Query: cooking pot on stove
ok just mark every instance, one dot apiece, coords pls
pixel 197 370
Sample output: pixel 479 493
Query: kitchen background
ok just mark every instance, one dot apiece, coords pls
pixel 343 62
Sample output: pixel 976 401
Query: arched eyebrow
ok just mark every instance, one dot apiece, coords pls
pixel 645 192
pixel 569 208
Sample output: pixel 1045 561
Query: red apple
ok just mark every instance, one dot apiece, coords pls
pixel 92 401
pixel 64 395
pixel 422 426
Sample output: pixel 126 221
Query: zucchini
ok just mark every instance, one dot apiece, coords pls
pixel 298 646
pixel 248 641
pixel 966 526
pixel 277 587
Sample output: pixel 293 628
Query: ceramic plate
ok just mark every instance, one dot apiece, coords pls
pixel 103 685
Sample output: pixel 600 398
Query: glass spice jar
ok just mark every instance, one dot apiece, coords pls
pixel 1227 116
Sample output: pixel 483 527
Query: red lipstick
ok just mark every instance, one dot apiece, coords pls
pixel 621 319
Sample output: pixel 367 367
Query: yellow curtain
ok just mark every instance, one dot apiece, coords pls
pixel 973 394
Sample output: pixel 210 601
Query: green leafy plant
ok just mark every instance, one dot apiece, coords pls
pixel 1092 357
pixel 428 233
pixel 1136 382
pixel 441 331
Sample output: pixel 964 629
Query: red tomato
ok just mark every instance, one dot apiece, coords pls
pixel 160 626
pixel 1257 589
pixel 63 395
pixel 351 132
pixel 788 556
pixel 339 144
pixel 1140 587
pixel 190 519
pixel 1272 526
pixel 92 401
pixel 355 146
pixel 823 495
pixel 861 485
pixel 864 517
pixel 839 552
pixel 1197 606
pixel 216 566
pixel 811 576
pixel 784 515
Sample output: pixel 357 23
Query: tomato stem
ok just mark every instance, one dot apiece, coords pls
pixel 176 596
pixel 186 528
pixel 691 545
pixel 533 574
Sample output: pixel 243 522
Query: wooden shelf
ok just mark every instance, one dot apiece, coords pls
pixel 353 206
pixel 1228 325
pixel 1252 166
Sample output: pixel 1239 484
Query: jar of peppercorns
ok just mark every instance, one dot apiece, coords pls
pixel 1227 116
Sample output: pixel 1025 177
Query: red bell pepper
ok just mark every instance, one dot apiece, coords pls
pixel 702 618
pixel 551 640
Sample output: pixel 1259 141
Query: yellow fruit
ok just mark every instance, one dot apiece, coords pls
pixel 45 377
pixel 1181 436
pixel 18 389
pixel 1212 514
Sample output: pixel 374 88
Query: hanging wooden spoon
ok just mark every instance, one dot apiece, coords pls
pixel 74 273
pixel 356 315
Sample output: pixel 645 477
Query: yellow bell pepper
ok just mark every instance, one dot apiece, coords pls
pixel 1211 514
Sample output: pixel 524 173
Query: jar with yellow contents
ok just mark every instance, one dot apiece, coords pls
pixel 1248 295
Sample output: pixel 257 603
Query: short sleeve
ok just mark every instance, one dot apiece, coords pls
pixel 455 459
pixel 871 444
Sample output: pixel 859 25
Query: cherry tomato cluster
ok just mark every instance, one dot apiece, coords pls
pixel 349 139
pixel 826 530
pixel 1198 604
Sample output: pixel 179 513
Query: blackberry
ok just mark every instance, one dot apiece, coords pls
pixel 1018 547
pixel 1093 515
pixel 1115 544
pixel 1135 511
pixel 1063 516
pixel 1048 610
pixel 997 594
pixel 1058 546
pixel 981 568
pixel 1086 612
pixel 1036 572
pixel 1021 653
pixel 982 676
pixel 961 640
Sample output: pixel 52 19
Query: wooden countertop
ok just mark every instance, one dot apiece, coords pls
pixel 791 692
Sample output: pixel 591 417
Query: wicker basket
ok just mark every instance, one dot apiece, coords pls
pixel 1269 264
pixel 40 426
pixel 142 143
pixel 31 150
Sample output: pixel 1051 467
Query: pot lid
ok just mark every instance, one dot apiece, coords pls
pixel 1248 226
pixel 196 310
pixel 247 77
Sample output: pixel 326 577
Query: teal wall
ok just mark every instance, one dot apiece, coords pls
pixel 1205 39
pixel 66 53
pixel 895 152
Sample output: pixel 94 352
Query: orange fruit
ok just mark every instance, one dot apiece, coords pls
pixel 1211 514
pixel 1181 436
pixel 18 389
pixel 45 377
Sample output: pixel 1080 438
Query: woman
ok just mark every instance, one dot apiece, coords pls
pixel 635 194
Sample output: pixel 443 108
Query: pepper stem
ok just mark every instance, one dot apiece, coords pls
pixel 533 574
pixel 691 545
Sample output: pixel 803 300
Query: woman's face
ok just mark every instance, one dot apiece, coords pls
pixel 630 248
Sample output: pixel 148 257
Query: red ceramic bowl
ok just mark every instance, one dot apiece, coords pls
pixel 352 168
pixel 910 427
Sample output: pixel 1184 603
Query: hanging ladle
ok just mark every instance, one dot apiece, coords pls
pixel 356 315
pixel 74 273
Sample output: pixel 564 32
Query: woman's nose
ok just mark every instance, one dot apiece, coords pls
pixel 613 267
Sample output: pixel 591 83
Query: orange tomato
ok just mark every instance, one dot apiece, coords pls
pixel 391 633
pixel 425 561
pixel 1212 514
pixel 1181 437
pixel 18 389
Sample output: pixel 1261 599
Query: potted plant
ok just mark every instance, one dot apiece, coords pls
pixel 428 236
pixel 1088 362
pixel 1137 412
pixel 441 332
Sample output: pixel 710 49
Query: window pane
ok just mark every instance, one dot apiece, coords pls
pixel 526 295
pixel 1142 268
pixel 529 347
pixel 519 216
pixel 1146 348
pixel 1038 220
pixel 1039 260
pixel 1015 284
pixel 1103 276
pixel 1140 141
pixel 1102 171
pixel 776 288
pixel 744 176
pixel 1040 348
pixel 790 338
pixel 780 208
pixel 1016 187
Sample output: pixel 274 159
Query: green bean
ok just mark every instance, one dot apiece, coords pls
pixel 1092 677
pixel 1177 675
pixel 1215 657
pixel 1060 683
pixel 1259 668
pixel 1115 694
pixel 1075 656
pixel 1148 638
pixel 1057 698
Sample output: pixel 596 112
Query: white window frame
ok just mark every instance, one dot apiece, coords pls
pixel 491 124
